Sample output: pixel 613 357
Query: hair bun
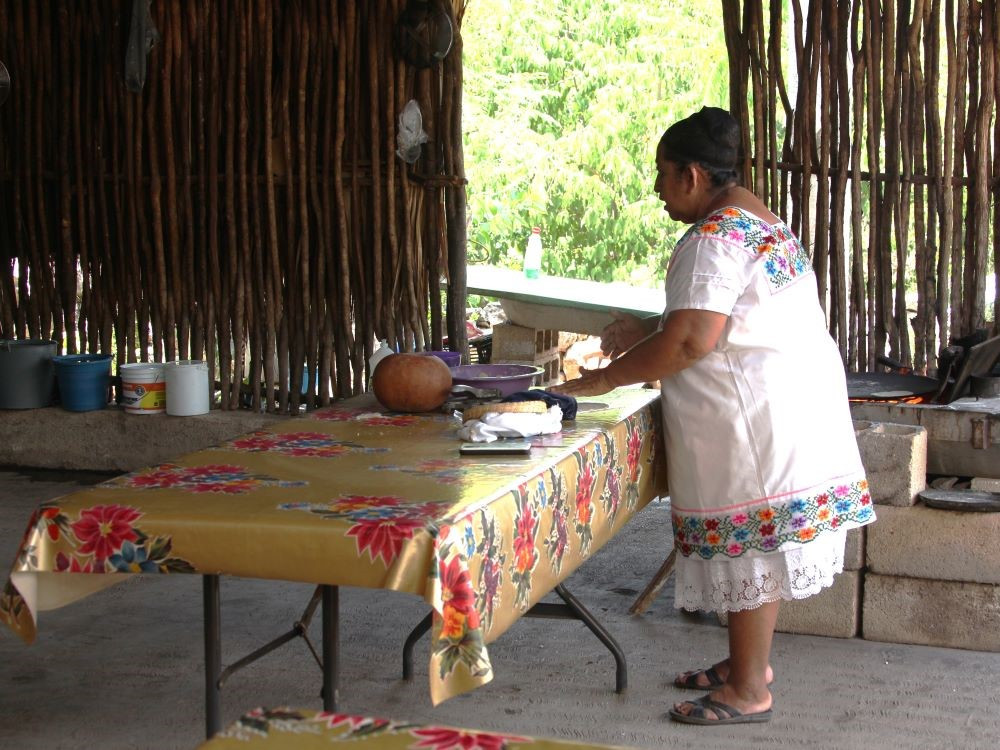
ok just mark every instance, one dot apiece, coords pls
pixel 710 136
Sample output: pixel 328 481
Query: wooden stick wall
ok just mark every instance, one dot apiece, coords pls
pixel 871 128
pixel 246 207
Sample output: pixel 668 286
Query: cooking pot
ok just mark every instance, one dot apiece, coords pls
pixel 890 386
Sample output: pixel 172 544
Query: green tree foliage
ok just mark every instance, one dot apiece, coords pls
pixel 565 101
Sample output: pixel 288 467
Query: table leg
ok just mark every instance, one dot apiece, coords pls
pixel 331 647
pixel 581 612
pixel 411 640
pixel 571 609
pixel 213 653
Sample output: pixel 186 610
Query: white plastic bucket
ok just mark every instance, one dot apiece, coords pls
pixel 144 389
pixel 187 388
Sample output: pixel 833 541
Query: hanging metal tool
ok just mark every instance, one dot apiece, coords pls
pixel 4 83
pixel 142 37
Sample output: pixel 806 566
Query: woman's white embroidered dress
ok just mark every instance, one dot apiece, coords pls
pixel 765 475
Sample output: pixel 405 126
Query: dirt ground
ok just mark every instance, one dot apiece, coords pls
pixel 123 668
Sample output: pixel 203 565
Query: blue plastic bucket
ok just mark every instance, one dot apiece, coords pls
pixel 83 380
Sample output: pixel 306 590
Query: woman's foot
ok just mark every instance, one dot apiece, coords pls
pixel 711 678
pixel 725 705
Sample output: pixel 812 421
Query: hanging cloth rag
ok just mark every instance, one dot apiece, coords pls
pixel 494 425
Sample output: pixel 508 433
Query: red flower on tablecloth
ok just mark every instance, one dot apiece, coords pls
pixel 381 523
pixel 525 555
pixel 384 537
pixel 445 738
pixel 210 478
pixel 66 564
pixel 104 528
pixel 368 417
pixel 584 490
pixel 458 599
pixel 585 480
pixel 633 449
pixel 306 444
pixel 443 470
pixel 334 720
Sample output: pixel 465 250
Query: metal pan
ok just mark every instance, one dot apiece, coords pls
pixel 889 386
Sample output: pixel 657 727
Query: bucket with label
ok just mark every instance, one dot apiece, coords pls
pixel 187 388
pixel 144 387
pixel 84 380
pixel 27 376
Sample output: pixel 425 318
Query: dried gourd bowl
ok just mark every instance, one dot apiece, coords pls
pixel 507 379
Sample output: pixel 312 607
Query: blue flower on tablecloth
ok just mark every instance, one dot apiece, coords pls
pixel 598 455
pixel 741 535
pixel 543 497
pixel 132 559
pixel 842 506
pixel 470 541
pixel 797 506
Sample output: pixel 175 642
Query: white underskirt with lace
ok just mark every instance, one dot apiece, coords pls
pixel 732 584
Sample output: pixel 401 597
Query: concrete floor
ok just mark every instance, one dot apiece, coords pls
pixel 123 668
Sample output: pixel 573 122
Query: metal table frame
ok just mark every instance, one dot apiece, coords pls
pixel 329 596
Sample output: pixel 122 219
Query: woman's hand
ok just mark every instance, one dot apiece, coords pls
pixel 624 332
pixel 590 383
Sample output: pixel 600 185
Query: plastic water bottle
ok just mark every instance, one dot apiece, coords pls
pixel 533 255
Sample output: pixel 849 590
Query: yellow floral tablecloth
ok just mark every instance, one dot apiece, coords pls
pixel 308 730
pixel 353 495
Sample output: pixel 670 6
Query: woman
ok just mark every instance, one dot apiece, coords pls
pixel 765 475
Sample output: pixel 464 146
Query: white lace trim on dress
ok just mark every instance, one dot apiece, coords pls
pixel 729 585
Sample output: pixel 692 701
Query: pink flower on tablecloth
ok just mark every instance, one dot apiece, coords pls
pixel 104 528
pixel 634 447
pixel 445 738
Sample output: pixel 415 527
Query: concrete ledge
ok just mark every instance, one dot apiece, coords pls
pixel 932 613
pixel 922 542
pixel 833 612
pixel 895 460
pixel 112 440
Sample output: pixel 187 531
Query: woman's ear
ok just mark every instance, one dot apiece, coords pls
pixel 692 177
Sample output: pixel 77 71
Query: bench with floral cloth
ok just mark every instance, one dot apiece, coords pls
pixel 297 729
pixel 352 495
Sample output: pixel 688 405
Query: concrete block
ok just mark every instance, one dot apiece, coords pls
pixel 985 484
pixel 931 613
pixel 922 542
pixel 833 612
pixel 513 343
pixel 895 460
pixel 854 551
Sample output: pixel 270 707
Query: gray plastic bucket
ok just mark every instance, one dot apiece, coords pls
pixel 27 376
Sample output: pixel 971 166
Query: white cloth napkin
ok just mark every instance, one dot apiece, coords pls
pixel 493 425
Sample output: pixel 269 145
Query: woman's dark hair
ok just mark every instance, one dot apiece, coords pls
pixel 711 138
